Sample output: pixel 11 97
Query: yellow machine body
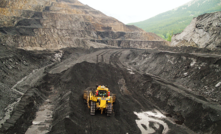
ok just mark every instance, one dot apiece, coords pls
pixel 100 99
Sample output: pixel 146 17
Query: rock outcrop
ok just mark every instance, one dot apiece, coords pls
pixel 55 24
pixel 204 32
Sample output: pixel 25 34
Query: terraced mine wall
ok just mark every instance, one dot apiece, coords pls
pixel 132 43
pixel 50 24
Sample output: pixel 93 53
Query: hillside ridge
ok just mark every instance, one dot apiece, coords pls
pixel 178 18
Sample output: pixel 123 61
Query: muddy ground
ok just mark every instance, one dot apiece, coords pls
pixel 157 91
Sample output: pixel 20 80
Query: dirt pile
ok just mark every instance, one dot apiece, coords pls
pixel 151 88
pixel 72 115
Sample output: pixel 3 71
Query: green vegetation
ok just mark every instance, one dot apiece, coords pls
pixel 168 37
pixel 176 20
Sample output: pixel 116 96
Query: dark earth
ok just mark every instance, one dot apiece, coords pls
pixel 157 91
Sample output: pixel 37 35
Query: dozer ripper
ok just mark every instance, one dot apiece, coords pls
pixel 99 99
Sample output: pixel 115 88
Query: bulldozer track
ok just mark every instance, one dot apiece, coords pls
pixel 109 109
pixel 92 109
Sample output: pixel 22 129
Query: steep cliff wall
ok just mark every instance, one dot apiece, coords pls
pixel 55 24
pixel 203 32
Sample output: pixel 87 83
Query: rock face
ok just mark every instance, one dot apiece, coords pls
pixel 55 24
pixel 203 32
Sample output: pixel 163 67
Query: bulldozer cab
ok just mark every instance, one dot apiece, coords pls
pixel 102 91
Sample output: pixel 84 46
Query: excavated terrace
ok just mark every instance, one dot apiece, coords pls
pixel 157 92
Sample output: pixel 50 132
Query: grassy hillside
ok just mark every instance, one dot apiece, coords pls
pixel 176 20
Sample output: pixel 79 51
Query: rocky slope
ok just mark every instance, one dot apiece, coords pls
pixel 51 24
pixel 176 20
pixel 204 32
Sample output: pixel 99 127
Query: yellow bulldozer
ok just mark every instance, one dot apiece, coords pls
pixel 99 99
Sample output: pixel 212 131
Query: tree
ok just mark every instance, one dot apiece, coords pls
pixel 169 36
